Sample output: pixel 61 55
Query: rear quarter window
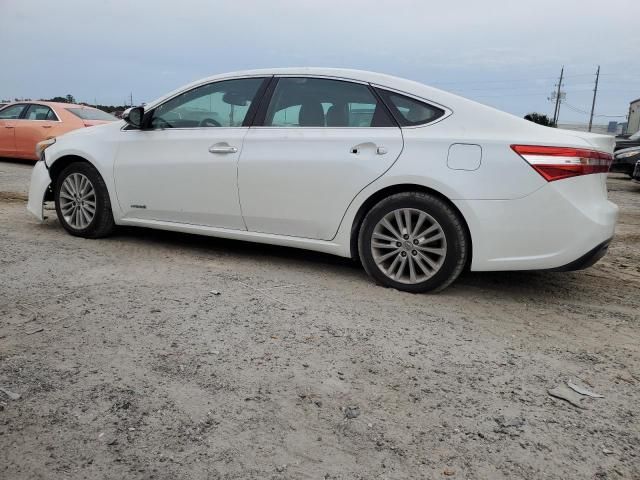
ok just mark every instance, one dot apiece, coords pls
pixel 409 111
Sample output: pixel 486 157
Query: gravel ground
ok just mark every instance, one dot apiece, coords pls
pixel 14 178
pixel 297 366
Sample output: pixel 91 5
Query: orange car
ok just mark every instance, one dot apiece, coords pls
pixel 23 124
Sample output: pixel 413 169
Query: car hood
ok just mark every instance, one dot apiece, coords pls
pixel 96 129
pixel 93 123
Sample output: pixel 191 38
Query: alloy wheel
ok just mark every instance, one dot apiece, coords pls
pixel 77 201
pixel 408 245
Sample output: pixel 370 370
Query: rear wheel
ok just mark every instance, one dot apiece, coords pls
pixel 414 242
pixel 82 201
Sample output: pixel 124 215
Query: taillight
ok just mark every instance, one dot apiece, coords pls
pixel 556 163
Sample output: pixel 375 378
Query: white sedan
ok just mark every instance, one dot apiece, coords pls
pixel 415 182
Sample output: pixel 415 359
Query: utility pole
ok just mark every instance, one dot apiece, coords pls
pixel 556 112
pixel 595 92
pixel 131 98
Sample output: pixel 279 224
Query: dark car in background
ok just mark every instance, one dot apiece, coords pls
pixel 635 176
pixel 630 141
pixel 624 161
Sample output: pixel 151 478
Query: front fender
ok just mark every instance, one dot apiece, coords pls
pixel 40 182
pixel 97 148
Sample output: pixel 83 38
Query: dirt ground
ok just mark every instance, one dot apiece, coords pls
pixel 128 366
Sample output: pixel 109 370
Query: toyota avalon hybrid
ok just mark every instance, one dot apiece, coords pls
pixel 415 182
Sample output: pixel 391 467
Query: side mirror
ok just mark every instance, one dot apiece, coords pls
pixel 133 116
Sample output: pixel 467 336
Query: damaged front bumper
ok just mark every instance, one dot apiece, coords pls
pixel 40 182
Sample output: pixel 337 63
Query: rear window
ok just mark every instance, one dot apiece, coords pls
pixel 409 111
pixel 91 114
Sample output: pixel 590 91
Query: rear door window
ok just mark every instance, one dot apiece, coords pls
pixel 321 102
pixel 40 112
pixel 409 111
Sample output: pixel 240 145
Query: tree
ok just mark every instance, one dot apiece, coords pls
pixel 70 99
pixel 539 118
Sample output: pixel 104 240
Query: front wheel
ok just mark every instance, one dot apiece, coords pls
pixel 82 201
pixel 413 242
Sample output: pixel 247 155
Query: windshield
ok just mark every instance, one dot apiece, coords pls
pixel 91 114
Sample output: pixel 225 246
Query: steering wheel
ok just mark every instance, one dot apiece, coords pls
pixel 159 122
pixel 209 122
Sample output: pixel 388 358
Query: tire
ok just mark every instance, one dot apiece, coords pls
pixel 435 251
pixel 96 224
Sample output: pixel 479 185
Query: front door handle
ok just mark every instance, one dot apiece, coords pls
pixel 9 126
pixel 46 126
pixel 381 150
pixel 222 148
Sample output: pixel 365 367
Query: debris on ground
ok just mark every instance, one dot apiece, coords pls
pixel 352 411
pixel 565 393
pixel 626 378
pixel 35 330
pixel 449 472
pixel 583 391
pixel 214 292
pixel 509 426
pixel 30 310
pixel 10 394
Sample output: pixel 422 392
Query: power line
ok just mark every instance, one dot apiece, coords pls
pixel 623 78
pixel 584 112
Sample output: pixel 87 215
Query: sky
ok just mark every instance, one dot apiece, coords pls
pixel 506 54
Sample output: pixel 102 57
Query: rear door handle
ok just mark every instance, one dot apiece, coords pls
pixel 368 147
pixel 46 126
pixel 9 126
pixel 222 148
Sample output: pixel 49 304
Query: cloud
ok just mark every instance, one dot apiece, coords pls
pixel 107 49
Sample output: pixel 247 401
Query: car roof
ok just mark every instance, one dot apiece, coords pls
pixel 50 104
pixel 395 83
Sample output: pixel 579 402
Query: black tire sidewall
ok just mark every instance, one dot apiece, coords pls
pixel 443 214
pixel 103 213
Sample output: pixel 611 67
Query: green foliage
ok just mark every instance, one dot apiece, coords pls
pixel 540 119
pixel 57 100
pixel 71 99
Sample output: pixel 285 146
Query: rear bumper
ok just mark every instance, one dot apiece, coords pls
pixel 561 225
pixel 40 182
pixel 587 260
